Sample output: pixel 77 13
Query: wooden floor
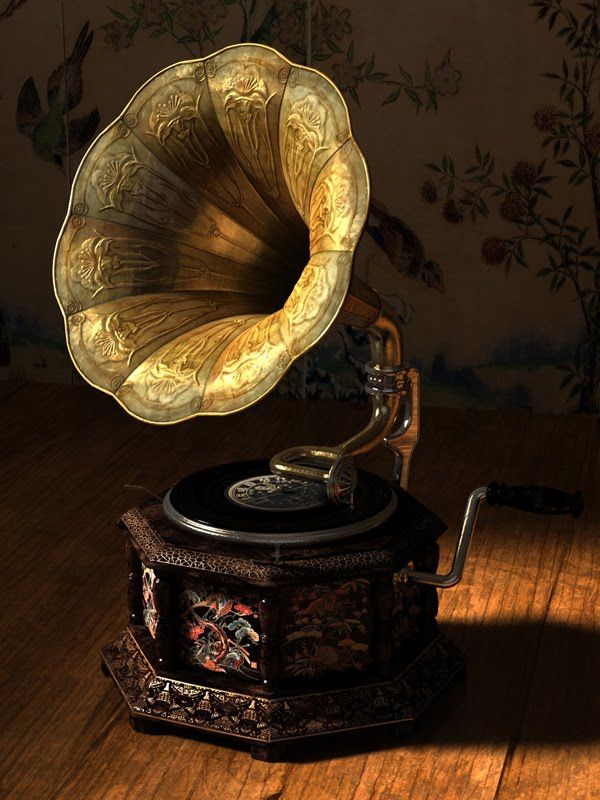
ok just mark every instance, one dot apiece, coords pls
pixel 526 724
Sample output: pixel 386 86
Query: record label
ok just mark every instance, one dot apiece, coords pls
pixel 277 493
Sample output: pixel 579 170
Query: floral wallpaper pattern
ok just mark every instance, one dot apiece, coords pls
pixel 545 233
pixel 456 195
pixel 196 24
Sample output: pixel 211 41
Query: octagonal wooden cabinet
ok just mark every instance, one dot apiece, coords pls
pixel 275 645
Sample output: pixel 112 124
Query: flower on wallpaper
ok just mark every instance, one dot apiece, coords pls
pixel 289 30
pixel 118 34
pixel 591 135
pixel 429 192
pixel 443 80
pixel 494 251
pixel 522 198
pixel 54 134
pixel 198 15
pixel 452 212
pixel 337 23
pixel 154 12
pixel 346 76
pixel 545 118
pixel 446 78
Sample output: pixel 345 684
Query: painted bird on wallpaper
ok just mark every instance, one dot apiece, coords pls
pixel 53 135
pixel 403 247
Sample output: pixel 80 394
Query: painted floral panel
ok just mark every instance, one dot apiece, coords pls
pixel 327 628
pixel 149 601
pixel 218 631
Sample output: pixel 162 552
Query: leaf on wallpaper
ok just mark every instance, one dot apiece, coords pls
pixel 403 247
pixel 53 132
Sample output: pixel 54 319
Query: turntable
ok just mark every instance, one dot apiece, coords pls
pixel 209 243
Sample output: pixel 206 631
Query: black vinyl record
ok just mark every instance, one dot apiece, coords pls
pixel 201 503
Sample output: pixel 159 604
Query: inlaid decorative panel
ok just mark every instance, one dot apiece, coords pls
pixel 149 601
pixel 218 630
pixel 327 628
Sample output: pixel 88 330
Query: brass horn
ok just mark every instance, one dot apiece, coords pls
pixel 209 243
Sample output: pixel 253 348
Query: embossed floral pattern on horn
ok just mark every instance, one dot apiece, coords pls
pixel 245 99
pixel 303 140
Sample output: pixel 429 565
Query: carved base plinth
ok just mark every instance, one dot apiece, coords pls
pixel 268 724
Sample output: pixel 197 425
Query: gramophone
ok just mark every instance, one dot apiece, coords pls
pixel 209 243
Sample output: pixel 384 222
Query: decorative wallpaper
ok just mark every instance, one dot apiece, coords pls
pixel 479 123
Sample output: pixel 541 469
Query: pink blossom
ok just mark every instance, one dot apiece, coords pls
pixel 194 632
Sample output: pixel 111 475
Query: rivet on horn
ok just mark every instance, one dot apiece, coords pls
pixel 73 307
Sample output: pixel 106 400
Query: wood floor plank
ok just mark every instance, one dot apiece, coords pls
pixel 8 388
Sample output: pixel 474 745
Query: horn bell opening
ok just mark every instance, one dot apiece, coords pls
pixel 210 234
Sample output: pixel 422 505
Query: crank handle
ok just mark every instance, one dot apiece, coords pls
pixel 535 499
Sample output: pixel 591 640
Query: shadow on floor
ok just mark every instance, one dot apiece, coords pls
pixel 524 684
